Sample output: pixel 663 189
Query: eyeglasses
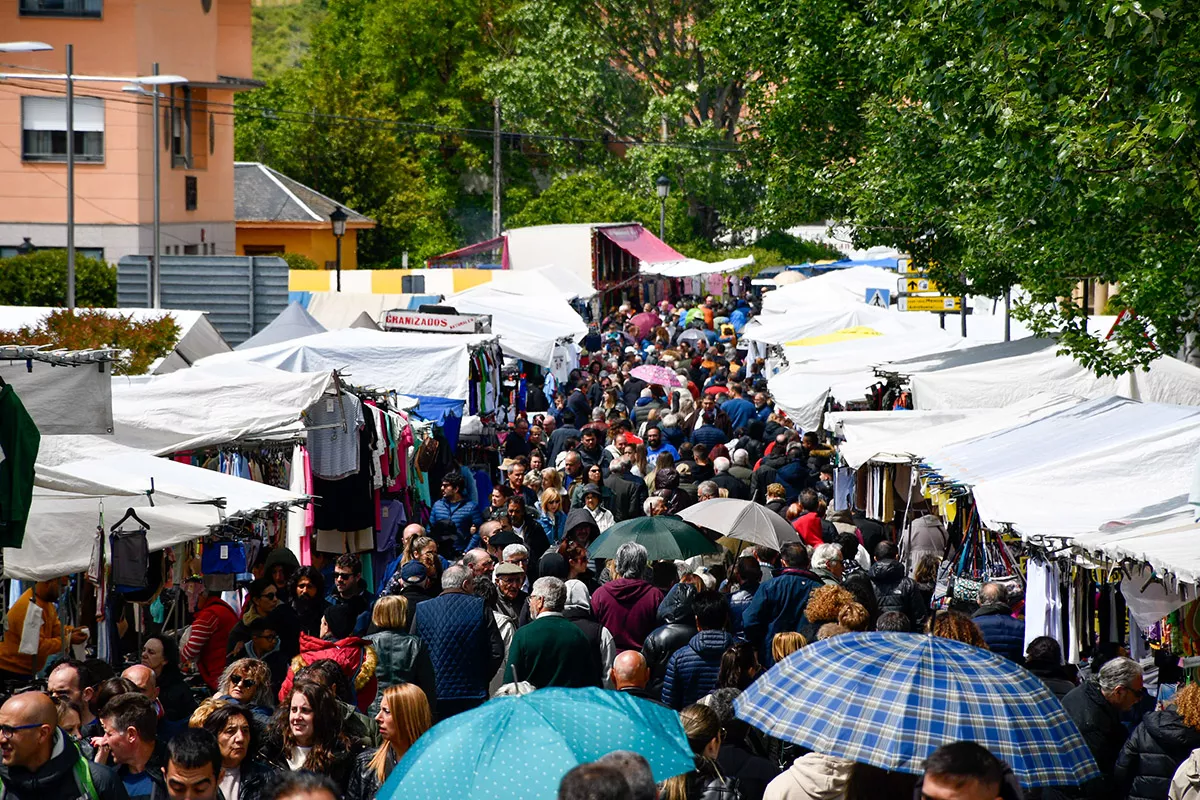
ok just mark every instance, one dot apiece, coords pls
pixel 519 560
pixel 7 731
pixel 343 576
pixel 270 637
pixel 238 680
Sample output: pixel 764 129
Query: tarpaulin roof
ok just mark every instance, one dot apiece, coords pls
pixel 1068 473
pixel 691 267
pixel 528 324
pixel 470 250
pixel 434 364
pixel 292 323
pixel 1167 543
pixel 641 244
pixel 205 406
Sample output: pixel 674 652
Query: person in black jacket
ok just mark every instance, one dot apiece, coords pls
pixel 1157 747
pixel 894 590
pixel 1044 659
pixel 677 629
pixel 1095 707
pixel 40 760
pixel 629 491
pixel 735 759
pixel 703 730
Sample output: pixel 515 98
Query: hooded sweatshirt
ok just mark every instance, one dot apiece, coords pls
pixel 812 777
pixel 579 611
pixel 628 608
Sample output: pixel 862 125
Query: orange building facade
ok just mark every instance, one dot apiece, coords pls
pixel 205 41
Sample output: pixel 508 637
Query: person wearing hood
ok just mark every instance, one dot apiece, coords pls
pixel 628 605
pixel 578 610
pixel 779 603
pixel 1157 746
pixel 666 486
pixel 1185 785
pixel 894 590
pixel 693 669
pixel 40 762
pixel 678 628
pixel 356 656
pixel 591 502
pixel 813 776
pixel 1003 633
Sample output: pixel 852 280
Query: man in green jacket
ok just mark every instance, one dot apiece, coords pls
pixel 551 650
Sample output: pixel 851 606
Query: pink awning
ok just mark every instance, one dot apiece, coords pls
pixel 641 244
pixel 470 250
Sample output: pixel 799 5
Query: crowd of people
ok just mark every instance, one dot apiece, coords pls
pixel 316 685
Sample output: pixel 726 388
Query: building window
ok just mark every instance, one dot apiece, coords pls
pixel 61 8
pixel 191 249
pixel 412 284
pixel 189 189
pixel 44 129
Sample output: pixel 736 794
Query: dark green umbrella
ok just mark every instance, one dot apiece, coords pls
pixel 665 538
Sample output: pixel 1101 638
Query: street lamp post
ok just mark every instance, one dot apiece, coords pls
pixel 337 220
pixel 663 187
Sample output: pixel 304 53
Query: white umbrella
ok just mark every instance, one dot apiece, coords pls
pixel 742 519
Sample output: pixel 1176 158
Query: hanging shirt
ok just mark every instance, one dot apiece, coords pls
pixel 333 446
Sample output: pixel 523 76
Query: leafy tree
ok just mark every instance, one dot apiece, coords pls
pixel 299 261
pixel 139 343
pixel 40 279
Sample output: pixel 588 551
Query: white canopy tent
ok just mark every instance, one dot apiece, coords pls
pixel 292 323
pixel 204 406
pixel 1068 473
pixel 78 476
pixel 1167 543
pixel 529 322
pixel 835 290
pixel 693 267
pixel 547 281
pixel 431 364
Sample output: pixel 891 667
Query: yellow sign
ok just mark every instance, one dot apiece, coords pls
pixel 917 284
pixel 933 302
pixel 844 335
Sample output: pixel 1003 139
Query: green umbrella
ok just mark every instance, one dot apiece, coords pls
pixel 665 538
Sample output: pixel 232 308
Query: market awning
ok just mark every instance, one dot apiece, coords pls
pixel 692 267
pixel 479 248
pixel 641 244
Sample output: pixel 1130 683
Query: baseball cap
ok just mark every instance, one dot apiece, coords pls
pixel 413 572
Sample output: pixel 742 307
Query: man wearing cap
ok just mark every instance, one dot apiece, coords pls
pixel 510 583
pixel 591 501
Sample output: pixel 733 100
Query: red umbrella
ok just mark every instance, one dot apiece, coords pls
pixel 646 322
pixel 717 390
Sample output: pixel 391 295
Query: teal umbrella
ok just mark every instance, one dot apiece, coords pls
pixel 664 537
pixel 522 746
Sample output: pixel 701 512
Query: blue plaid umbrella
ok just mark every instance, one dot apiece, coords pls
pixel 891 699
pixel 520 747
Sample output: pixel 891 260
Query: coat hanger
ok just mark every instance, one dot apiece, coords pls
pixel 129 512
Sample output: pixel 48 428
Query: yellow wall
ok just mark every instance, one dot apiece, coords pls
pixel 319 245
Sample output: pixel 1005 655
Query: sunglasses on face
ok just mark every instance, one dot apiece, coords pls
pixel 343 576
pixel 238 680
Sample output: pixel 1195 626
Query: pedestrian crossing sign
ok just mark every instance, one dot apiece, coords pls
pixel 880 298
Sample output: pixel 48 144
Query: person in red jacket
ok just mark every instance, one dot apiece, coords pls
pixel 808 524
pixel 356 656
pixel 206 643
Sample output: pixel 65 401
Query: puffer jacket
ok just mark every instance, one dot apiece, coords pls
pixel 1152 754
pixel 675 611
pixel 692 670
pixel 897 592
pixel 1186 783
pixel 402 658
pixel 813 776
pixel 355 656
pixel 1003 634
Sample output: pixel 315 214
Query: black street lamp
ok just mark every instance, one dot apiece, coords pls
pixel 337 219
pixel 663 186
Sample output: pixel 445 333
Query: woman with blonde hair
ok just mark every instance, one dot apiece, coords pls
pixel 703 729
pixel 786 643
pixel 403 717
pixel 401 657
pixel 248 681
pixel 552 518
pixel 425 550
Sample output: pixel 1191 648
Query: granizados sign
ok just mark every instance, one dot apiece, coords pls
pixel 398 320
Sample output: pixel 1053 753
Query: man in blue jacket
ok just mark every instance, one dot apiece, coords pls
pixel 778 605
pixel 456 509
pixel 692 670
pixel 1003 633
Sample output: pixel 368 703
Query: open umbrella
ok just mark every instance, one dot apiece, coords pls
pixel 741 519
pixel 522 746
pixel 646 322
pixel 891 699
pixel 693 335
pixel 664 537
pixel 652 373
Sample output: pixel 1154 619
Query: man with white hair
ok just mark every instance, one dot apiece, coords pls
pixel 654 506
pixel 725 480
pixel 827 563
pixel 551 650
pixel 629 491
pixel 1095 707
pixel 741 467
pixel 707 490
pixel 628 605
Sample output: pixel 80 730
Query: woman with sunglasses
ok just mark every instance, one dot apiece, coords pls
pixel 239 736
pixel 263 599
pixel 403 716
pixel 248 681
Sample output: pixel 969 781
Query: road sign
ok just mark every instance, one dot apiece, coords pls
pixel 916 283
pixel 905 266
pixel 933 302
pixel 880 298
